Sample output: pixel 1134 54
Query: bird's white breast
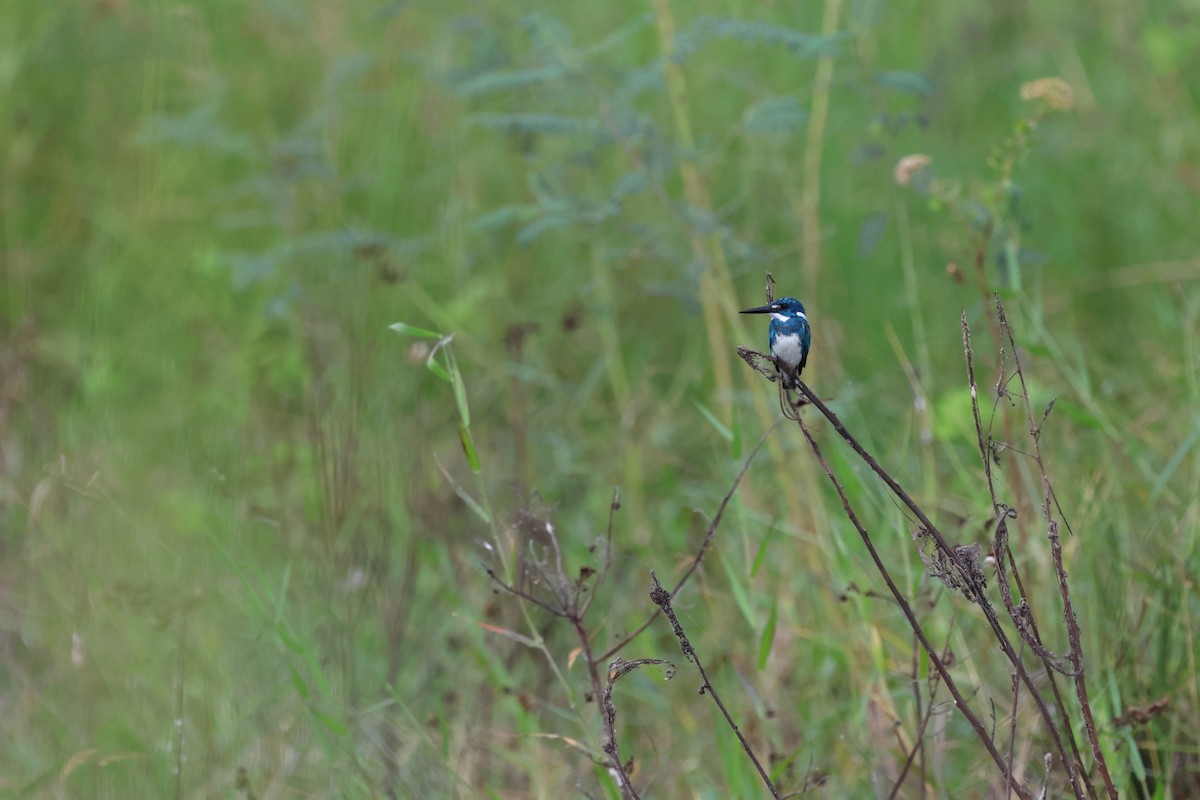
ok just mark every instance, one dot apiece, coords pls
pixel 788 349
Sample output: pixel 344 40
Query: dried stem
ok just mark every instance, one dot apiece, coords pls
pixel 709 535
pixel 969 579
pixel 958 567
pixel 919 746
pixel 569 599
pixel 1026 624
pixel 662 599
pixel 1074 635
pixel 938 663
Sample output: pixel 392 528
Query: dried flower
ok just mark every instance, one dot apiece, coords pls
pixel 909 166
pixel 418 352
pixel 1054 92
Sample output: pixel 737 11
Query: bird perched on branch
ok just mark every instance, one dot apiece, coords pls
pixel 789 335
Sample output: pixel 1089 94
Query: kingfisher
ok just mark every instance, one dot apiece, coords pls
pixel 789 334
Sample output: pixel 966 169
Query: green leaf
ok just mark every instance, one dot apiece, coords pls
pixel 1126 732
pixel 432 363
pixel 629 183
pixel 1041 350
pixel 473 505
pixel 460 391
pixel 803 45
pixel 505 215
pixel 289 641
pixel 437 369
pixel 319 679
pixel 781 767
pixel 736 443
pixel 721 430
pixel 333 725
pixel 774 116
pixel 413 330
pixel 298 681
pixel 620 36
pixel 761 555
pixel 739 591
pixel 870 232
pixel 1165 47
pixel 952 417
pixel 548 124
pixel 470 502
pixel 1077 413
pixel 552 38
pixel 444 730
pixel 912 82
pixel 468 445
pixel 768 637
pixel 281 596
pixel 535 229
pixel 1173 464
pixel 509 80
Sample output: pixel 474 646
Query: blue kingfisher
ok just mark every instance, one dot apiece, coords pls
pixel 789 336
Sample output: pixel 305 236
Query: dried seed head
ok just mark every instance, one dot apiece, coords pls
pixel 909 166
pixel 1054 92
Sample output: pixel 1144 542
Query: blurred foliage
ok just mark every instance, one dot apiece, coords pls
pixel 239 547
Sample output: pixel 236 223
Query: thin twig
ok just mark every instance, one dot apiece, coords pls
pixel 938 663
pixel 571 598
pixel 709 535
pixel 613 507
pixel 919 746
pixel 1012 720
pixel 1074 635
pixel 1003 549
pixel 1021 614
pixel 954 557
pixel 662 599
pixel 180 740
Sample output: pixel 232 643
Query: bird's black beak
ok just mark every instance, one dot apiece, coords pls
pixel 767 309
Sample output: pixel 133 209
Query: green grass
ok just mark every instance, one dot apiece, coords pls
pixel 233 535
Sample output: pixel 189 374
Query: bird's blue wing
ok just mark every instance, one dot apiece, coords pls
pixel 805 344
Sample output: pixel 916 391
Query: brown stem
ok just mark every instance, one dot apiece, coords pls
pixel 662 599
pixel 938 664
pixel 1006 553
pixel 709 535
pixel 1074 635
pixel 977 593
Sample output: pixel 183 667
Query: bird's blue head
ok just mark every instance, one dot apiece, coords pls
pixel 783 309
pixel 790 336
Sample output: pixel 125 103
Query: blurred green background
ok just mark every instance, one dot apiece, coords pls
pixel 236 558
